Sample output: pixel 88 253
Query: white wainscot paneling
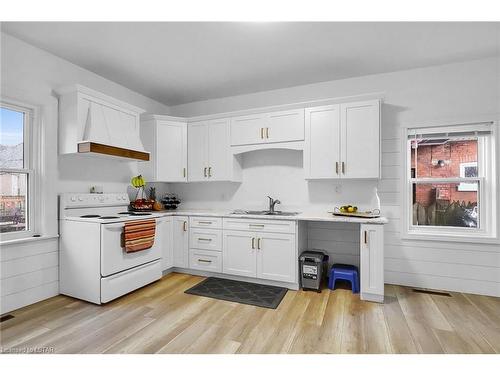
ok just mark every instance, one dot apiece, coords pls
pixel 339 240
pixel 391 145
pixel 391 159
pixel 29 273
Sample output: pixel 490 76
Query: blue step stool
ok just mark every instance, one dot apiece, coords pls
pixel 344 272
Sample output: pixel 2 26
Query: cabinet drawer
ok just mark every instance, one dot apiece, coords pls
pixel 205 260
pixel 205 239
pixel 205 222
pixel 257 225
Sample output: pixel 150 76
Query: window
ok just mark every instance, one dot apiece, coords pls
pixel 449 174
pixel 16 174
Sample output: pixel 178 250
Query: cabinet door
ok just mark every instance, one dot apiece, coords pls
pixel 360 139
pixel 198 151
pixel 284 126
pixel 171 151
pixel 322 142
pixel 239 253
pixel 218 150
pixel 164 237
pixel 372 261
pixel 247 130
pixel 180 240
pixel 276 257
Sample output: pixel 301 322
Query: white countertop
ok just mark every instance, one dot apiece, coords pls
pixel 303 216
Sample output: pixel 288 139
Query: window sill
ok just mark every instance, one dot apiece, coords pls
pixel 448 237
pixel 16 241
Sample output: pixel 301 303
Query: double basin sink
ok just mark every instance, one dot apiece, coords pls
pixel 265 213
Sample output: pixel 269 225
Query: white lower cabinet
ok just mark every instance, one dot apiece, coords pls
pixel 205 260
pixel 180 237
pixel 276 258
pixel 239 253
pixel 372 262
pixel 269 256
pixel 164 238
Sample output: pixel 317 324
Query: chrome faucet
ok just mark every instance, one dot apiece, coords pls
pixel 272 203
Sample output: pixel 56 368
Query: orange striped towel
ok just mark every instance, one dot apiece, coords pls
pixel 139 235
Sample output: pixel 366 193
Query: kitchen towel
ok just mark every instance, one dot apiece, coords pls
pixel 139 235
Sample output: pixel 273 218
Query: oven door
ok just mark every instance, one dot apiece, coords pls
pixel 113 256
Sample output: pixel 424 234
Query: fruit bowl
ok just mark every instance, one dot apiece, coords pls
pixel 348 209
pixel 142 205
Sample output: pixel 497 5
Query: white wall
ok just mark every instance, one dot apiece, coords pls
pixel 29 74
pixel 448 92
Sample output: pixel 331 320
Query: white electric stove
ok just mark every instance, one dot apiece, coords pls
pixel 93 265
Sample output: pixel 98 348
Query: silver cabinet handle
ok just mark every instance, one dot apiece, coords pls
pixel 209 171
pixel 184 172
pixel 204 222
pixel 267 132
pixel 253 243
pixel 205 171
pixel 256 225
pixel 204 239
pixel 184 226
pixel 261 133
pixel 204 261
pixel 337 167
pixel 258 243
pixel 366 237
pixel 343 168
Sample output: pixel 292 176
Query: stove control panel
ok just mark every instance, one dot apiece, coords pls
pixel 93 200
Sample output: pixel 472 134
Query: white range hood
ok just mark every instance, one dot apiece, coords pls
pixel 92 123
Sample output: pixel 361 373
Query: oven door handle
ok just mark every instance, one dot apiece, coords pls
pixel 114 227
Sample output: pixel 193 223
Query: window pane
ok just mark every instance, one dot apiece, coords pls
pixel 13 202
pixel 11 138
pixel 445 205
pixel 442 158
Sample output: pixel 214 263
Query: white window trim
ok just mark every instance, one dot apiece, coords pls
pixel 488 232
pixel 32 148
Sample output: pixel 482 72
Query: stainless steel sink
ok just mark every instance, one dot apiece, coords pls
pixel 266 213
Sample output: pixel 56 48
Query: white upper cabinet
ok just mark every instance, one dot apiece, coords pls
pixel 284 126
pixel 322 146
pixel 247 130
pixel 166 139
pixel 343 141
pixel 272 127
pixel 198 151
pixel 209 156
pixel 360 139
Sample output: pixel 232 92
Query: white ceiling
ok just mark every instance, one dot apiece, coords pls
pixel 177 63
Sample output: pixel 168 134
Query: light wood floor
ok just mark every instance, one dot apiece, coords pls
pixel 160 318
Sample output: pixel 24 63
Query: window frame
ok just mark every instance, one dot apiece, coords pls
pixel 29 167
pixel 487 180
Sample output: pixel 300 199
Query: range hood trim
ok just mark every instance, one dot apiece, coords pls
pixel 88 147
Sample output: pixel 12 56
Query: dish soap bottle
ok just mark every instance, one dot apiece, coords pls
pixel 375 202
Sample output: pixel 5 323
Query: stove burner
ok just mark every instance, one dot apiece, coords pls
pixel 109 217
pixel 89 216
